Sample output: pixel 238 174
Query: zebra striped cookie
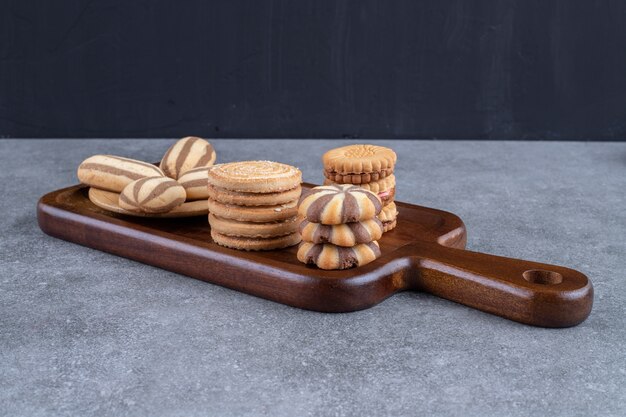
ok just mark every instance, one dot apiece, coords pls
pixel 195 183
pixel 152 195
pixel 113 173
pixel 349 234
pixel 327 256
pixel 186 154
pixel 385 189
pixel 338 204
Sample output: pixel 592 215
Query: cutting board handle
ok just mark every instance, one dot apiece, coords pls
pixel 528 292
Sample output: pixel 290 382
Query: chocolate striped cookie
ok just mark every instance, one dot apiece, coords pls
pixel 347 235
pixel 186 154
pixel 195 183
pixel 113 173
pixel 152 195
pixel 338 204
pixel 327 256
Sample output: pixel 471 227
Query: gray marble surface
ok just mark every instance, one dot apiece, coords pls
pixel 86 333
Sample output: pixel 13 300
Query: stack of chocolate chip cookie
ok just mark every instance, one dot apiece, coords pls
pixel 253 204
pixel 339 227
pixel 370 167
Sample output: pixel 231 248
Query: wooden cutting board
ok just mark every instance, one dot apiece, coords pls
pixel 424 253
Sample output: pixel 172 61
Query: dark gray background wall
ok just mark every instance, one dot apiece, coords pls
pixel 497 69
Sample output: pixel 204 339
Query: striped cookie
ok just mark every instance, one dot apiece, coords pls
pixel 245 243
pixel 253 199
pixel 327 256
pixel 113 173
pixel 195 183
pixel 187 153
pixel 388 216
pixel 229 227
pixel 255 176
pixel 152 195
pixel 338 204
pixel 256 214
pixel 349 234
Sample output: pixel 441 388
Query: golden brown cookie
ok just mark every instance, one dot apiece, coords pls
pixel 152 195
pixel 338 204
pixel 250 244
pixel 387 197
pixel 255 176
pixel 357 179
pixel 230 227
pixel 253 199
pixel 187 153
pixel 388 216
pixel 385 189
pixel 327 256
pixel 347 235
pixel 359 159
pixel 379 186
pixel 257 214
pixel 195 183
pixel 113 173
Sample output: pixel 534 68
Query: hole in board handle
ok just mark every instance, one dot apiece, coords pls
pixel 540 276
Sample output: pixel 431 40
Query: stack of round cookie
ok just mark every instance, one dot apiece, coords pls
pixel 370 167
pixel 253 204
pixel 339 227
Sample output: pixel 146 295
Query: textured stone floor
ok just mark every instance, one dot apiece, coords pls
pixel 87 333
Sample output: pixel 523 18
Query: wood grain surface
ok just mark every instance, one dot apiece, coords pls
pixel 425 253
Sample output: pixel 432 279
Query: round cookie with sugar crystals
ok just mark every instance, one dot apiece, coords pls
pixel 327 256
pixel 255 176
pixel 338 204
pixel 186 154
pixel 152 195
pixel 253 199
pixel 347 235
pixel 230 227
pixel 255 244
pixel 256 214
